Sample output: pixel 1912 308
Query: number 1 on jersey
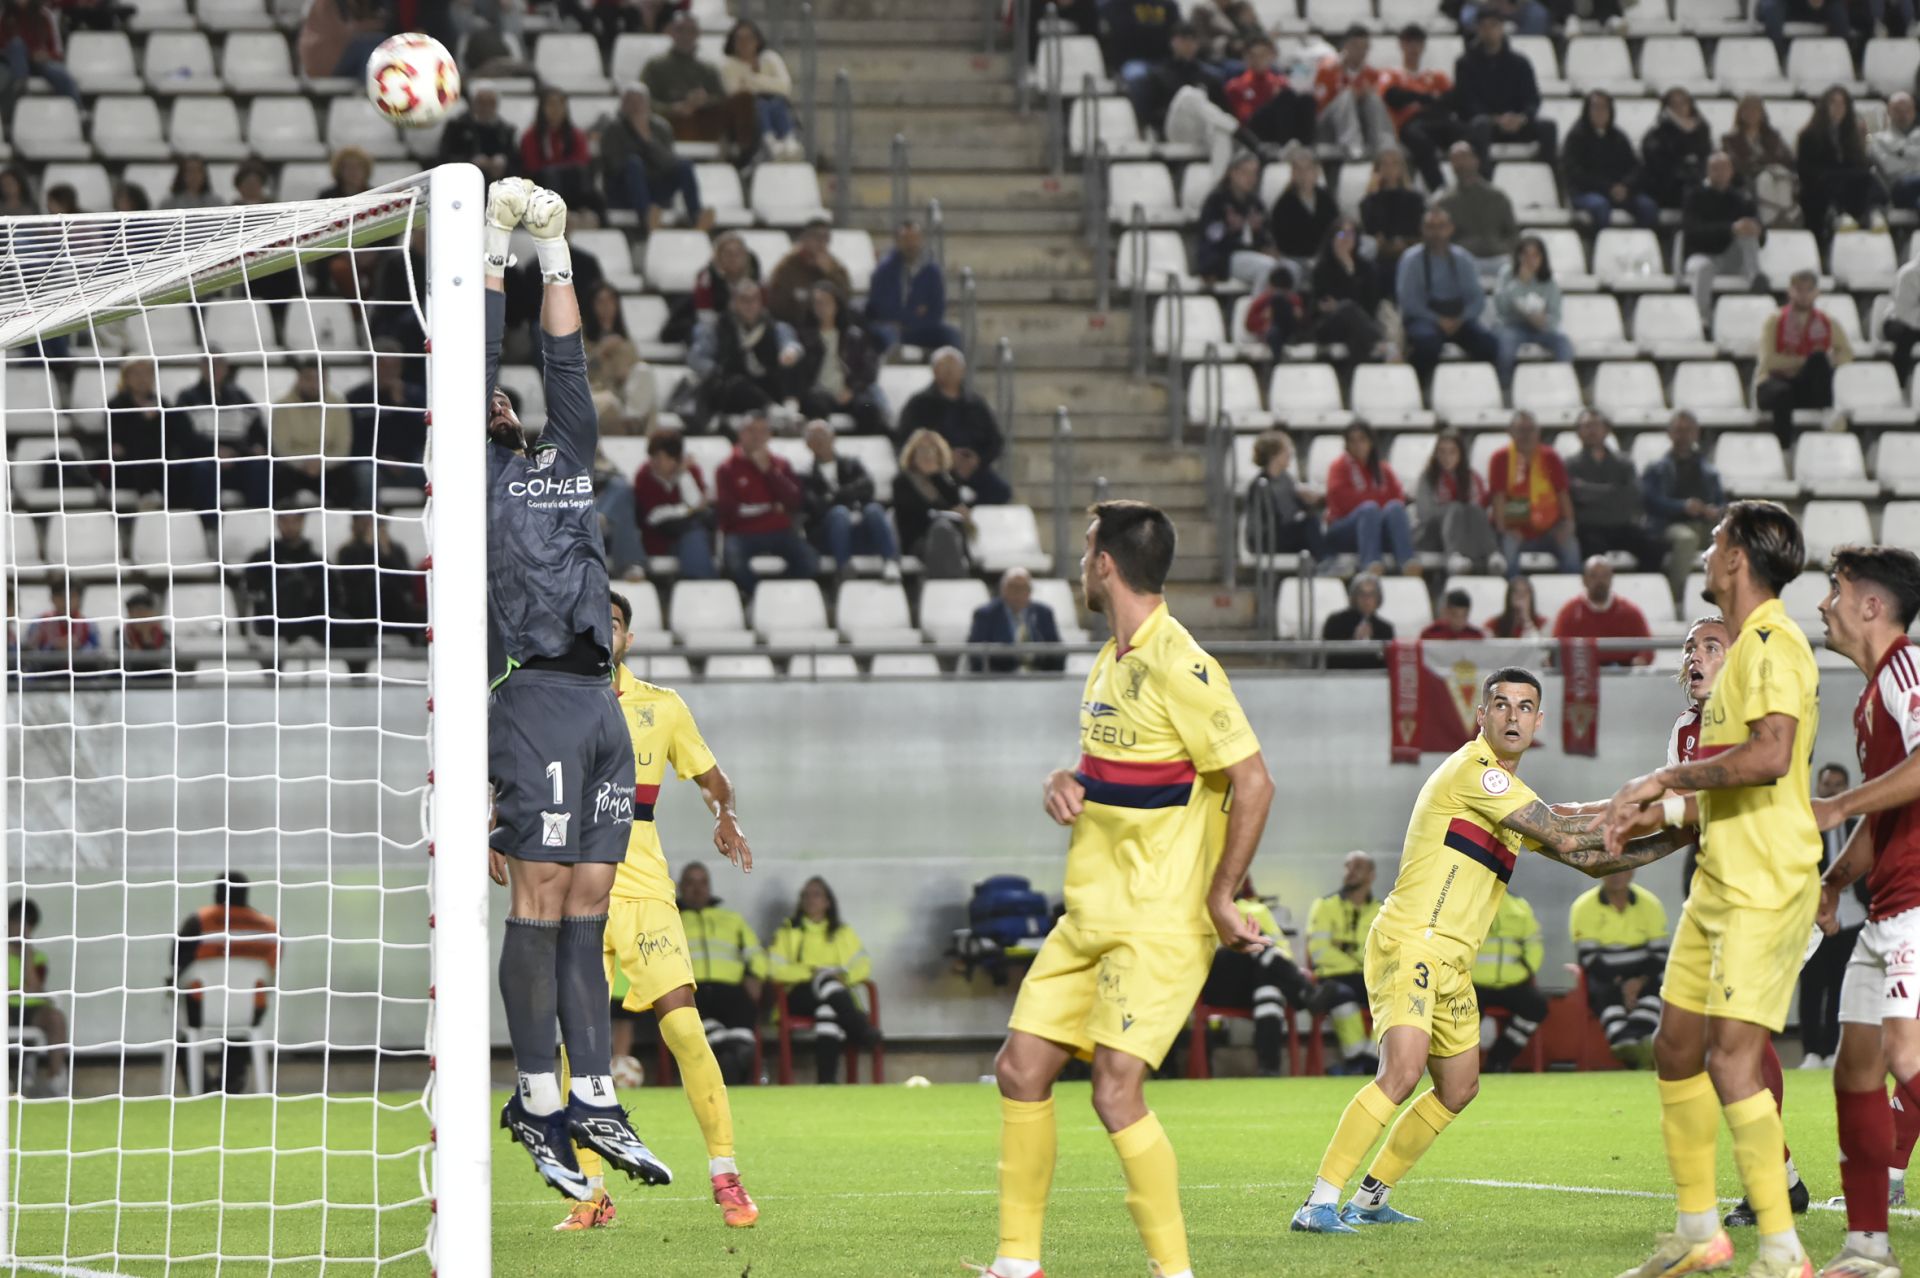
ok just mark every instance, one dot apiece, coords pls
pixel 555 774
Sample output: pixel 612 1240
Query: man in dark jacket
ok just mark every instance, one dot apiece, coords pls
pixel 286 582
pixel 1722 232
pixel 1684 498
pixel 1497 94
pixel 742 356
pixel 479 136
pixel 907 296
pixel 1361 619
pixel 962 418
pixel 1606 494
pixel 641 169
pixel 688 91
pixel 1182 70
pixel 843 518
pixel 1136 36
pixel 1015 617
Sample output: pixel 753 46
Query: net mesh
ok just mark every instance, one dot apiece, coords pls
pixel 217 624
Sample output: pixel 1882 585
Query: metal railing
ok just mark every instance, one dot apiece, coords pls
pixel 1222 482
pixel 809 85
pixel 991 20
pixel 1175 302
pixel 936 234
pixel 1102 226
pixel 1102 491
pixel 842 147
pixel 1056 112
pixel 1062 485
pixel 1003 400
pixel 969 319
pixel 1022 59
pixel 900 168
pixel 1137 275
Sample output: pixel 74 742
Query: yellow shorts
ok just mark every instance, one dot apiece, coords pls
pixel 647 944
pixel 1132 992
pixel 1412 984
pixel 1738 961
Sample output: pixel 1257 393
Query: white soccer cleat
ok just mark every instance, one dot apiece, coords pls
pixel 546 214
pixel 507 202
pixel 1851 1264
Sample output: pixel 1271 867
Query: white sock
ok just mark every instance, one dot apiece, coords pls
pixel 1784 1246
pixel 1867 1243
pixel 1005 1268
pixel 540 1093
pixel 1898 1175
pixel 1324 1191
pixel 721 1167
pixel 1698 1226
pixel 1793 1174
pixel 593 1089
pixel 595 1185
pixel 1371 1194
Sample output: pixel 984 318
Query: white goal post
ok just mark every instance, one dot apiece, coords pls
pixel 244 739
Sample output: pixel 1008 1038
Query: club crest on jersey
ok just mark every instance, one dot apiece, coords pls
pixel 646 716
pixel 553 829
pixel 1495 781
pixel 1136 675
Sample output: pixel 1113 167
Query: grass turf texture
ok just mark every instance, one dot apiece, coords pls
pixel 897 1182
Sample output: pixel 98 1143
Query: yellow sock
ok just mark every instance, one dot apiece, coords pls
pixel 1758 1142
pixel 1690 1128
pixel 590 1164
pixel 1417 1129
pixel 1360 1126
pixel 700 1075
pixel 1027 1147
pixel 1153 1191
pixel 1349 1030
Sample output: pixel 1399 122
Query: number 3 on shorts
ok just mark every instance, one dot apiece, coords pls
pixel 555 774
pixel 1420 981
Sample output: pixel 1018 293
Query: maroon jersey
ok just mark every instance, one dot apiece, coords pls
pixel 1886 729
pixel 1685 742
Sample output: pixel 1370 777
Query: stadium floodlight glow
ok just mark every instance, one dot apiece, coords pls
pixel 272 703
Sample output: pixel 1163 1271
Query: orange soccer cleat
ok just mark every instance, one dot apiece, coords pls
pixel 736 1208
pixel 596 1213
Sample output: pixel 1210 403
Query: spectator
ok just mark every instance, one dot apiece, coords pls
pixel 757 497
pixel 1600 168
pixel 818 958
pixel 554 152
pixel 352 170
pixel 16 193
pixel 1527 304
pixel 728 968
pixel 964 420
pixel 1722 232
pixel 1826 967
pixel 1838 190
pixel 1497 94
pixel 1234 242
pixel 929 506
pixel 375 581
pixel 742 359
pixel 1675 150
pixel 1800 346
pixel 28 1002
pixel 1281 518
pixel 1337 928
pixel 1359 620
pixel 142 630
pixel 1529 17
pixel 1366 507
pixel 1455 620
pixel 338 37
pixel 1485 224
pixel 389 417
pixel 733 264
pixel 1684 498
pixel 689 92
pixel 61 629
pixel 1902 324
pixel 1517 619
pixel 1598 613
pixel 1505 979
pixel 670 502
pixel 1531 508
pixel 1228 31
pixel 1181 69
pixel 1774 15
pixel 1346 297
pixel 1136 38
pixel 1266 984
pixel 1277 311
pixel 286 583
pixel 641 169
pixel 312 435
pixel 1450 506
pixel 130 197
pixel 251 180
pixel 809 262
pixel 1346 94
pixel 1264 102
pixel 843 517
pixel 233 421
pixel 154 451
pixel 1441 298
pixel 190 188
pixel 613 503
pixel 1620 937
pixel 229 929
pixel 1606 494
pixel 907 296
pixel 837 372
pixel 749 67
pixel 62 200
pixel 1895 151
pixel 30 37
pixel 1420 102
pixel 613 361
pixel 1391 210
pixel 1015 617
pixel 1304 212
pixel 1763 163
pixel 479 136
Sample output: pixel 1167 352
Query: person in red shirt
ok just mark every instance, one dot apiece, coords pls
pixel 757 496
pixel 1417 102
pixel 1453 622
pixel 1601 614
pixel 554 152
pixel 1265 103
pixel 1531 508
pixel 670 503
pixel 1366 506
pixel 1347 92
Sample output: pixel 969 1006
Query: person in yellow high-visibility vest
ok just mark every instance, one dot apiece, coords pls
pixel 1503 977
pixel 729 966
pixel 822 960
pixel 1336 945
pixel 1620 938
pixel 1267 983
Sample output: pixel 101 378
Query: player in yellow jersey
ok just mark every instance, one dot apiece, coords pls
pixel 1166 806
pixel 1736 952
pixel 1472 819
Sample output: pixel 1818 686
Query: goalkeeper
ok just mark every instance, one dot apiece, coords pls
pixel 556 741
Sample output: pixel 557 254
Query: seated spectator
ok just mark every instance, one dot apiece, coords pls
pixel 1895 152
pixel 1265 983
pixel 1346 94
pixel 1015 617
pixel 30 38
pixel 613 503
pixel 1684 499
pixel 1359 620
pixel 1606 494
pixel 1675 150
pixel 964 420
pixel 1391 210
pixel 142 630
pixel 251 183
pixel 1505 978
pixel 729 966
pixel 61 631
pixel 1345 309
pixel 670 502
pixel 1763 163
pixel 338 38
pixel 1337 928
pixel 641 169
pixel 1264 101
pixel 1441 298
pixel 1484 222
pixel 63 201
pixel 843 517
pixel 907 296
pixel 1496 92
pixel 216 934
pixel 1517 619
pixel 1227 31
pixel 614 365
pixel 312 436
pixel 28 1002
pixel 1277 312
pixel 1181 69
pixel 689 92
pixel 190 188
pixel 154 452
pixel 479 136
pixel 1902 324
pixel 1281 511
pixel 1529 17
pixel 1598 613
pixel 1455 620
pixel 748 66
pixel 375 581
pixel 837 372
pixel 818 958
pixel 742 359
pixel 1136 38
pixel 809 262
pixel 1420 102
pixel 389 417
pixel 733 264
pixel 1800 346
pixel 1234 243
pixel 1531 509
pixel 1601 168
pixel 233 421
pixel 130 197
pixel 1527 303
pixel 352 170
pixel 554 152
pixel 1366 507
pixel 757 497
pixel 16 193
pixel 1450 506
pixel 1838 189
pixel 1774 15
pixel 1304 212
pixel 1722 232
pixel 1620 936
pixel 929 506
pixel 286 583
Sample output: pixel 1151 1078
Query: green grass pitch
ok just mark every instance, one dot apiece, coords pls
pixel 891 1182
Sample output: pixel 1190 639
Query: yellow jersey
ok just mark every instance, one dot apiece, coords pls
pixel 1457 859
pixel 1759 845
pixel 663 732
pixel 1158 723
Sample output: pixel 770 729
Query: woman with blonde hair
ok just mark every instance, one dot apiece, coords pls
pixel 1763 162
pixel 929 512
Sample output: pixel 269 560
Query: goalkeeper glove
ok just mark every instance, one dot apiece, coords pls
pixel 546 219
pixel 506 206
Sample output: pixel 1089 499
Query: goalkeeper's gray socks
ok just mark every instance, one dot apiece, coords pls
pixel 586 1023
pixel 527 980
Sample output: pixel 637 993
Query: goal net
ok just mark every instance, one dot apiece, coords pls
pixel 248 1028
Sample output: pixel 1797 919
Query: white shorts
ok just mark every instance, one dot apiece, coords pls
pixel 1883 976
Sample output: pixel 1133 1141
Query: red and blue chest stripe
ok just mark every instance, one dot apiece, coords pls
pixel 1480 847
pixel 1118 783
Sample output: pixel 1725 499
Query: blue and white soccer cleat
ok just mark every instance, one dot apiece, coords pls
pixel 605 1130
pixel 1384 1214
pixel 544 1137
pixel 1320 1218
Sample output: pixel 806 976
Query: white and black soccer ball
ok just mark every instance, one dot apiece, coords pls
pixel 412 80
pixel 628 1072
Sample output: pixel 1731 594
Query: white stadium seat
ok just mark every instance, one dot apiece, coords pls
pixel 1111 123
pixel 1566 255
pixel 1321 452
pixel 874 612
pixel 1534 192
pixel 1653 595
pixel 1861 260
pixel 1890 65
pixel 1549 391
pixel 1552 591
pixel 102 62
pixel 162 542
pixel 1667 326
pixel 1668 62
pixel 1305 603
pixel 1148 184
pixel 1239 393
pixel 1629 258
pixel 1788 250
pixel 1830 524
pixel 46 128
pixel 1752 465
pixel 704 611
pixel 1869 393
pixel 612 250
pixel 632 50
pixel 946 608
pixel 1405 603
pixel 352 121
pixel 278 128
pixel 1803 595
pixel 739 665
pixel 720 190
pixel 249 16
pixel 180 62
pixel 1601 62
pixel 1008 537
pixel 1077 57
pixel 571 62
pixel 90 184
pixel 1467 396
pixel 128 128
pixel 786 194
pixel 83 540
pixel 1747 64
pixel 1193 321
pixel 1408 454
pixel 1737 319
pixel 1629 393
pixel 1900 524
pixel 675 259
pixel 211 127
pixel 1591 321
pixel 1163 254
pixel 791 614
pixel 1388 395
pixel 1816 62
pixel 1896 464
pixel 1830 464
pixel 1309 395
pixel 1539 50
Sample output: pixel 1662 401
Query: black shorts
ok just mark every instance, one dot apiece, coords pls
pixel 562 767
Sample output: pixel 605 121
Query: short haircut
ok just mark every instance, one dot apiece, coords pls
pixel 1845 776
pixel 1459 599
pixel 1510 674
pixel 1768 534
pixel 230 889
pixel 1811 277
pixel 669 442
pixel 142 599
pixel 1894 569
pixel 625 606
pixel 24 907
pixel 817 224
pixel 1355 32
pixel 1268 446
pixel 1184 30
pixel 1139 538
pixel 1414 33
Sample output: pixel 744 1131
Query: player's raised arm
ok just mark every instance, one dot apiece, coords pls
pixel 572 426
pixel 1895 788
pixel 1246 821
pixel 506 206
pixel 1577 840
pixel 1763 758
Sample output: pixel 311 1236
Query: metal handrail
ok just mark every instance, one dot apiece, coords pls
pixel 936 234
pixel 1174 299
pixel 1062 485
pixel 1102 489
pixel 1137 304
pixel 809 84
pixel 1022 58
pixel 992 24
pixel 899 164
pixel 1220 465
pixel 1102 238
pixel 969 319
pixel 1056 112
pixel 842 147
pixel 1003 400
pixel 1222 648
pixel 1093 171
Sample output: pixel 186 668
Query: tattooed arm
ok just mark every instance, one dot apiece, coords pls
pixel 1763 758
pixel 1576 839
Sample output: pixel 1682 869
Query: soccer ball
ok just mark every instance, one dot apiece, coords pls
pixel 412 80
pixel 627 1072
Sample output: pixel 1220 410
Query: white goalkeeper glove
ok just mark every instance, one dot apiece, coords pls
pixel 506 206
pixel 546 220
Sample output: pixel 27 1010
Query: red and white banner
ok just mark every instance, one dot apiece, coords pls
pixel 1580 700
pixel 1434 688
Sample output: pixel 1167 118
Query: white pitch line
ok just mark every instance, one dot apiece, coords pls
pixel 64 1271
pixel 1597 1191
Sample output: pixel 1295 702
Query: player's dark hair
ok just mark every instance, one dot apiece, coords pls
pixel 1139 538
pixel 231 890
pixel 625 606
pixel 1894 569
pixel 1845 776
pixel 833 906
pixel 1459 599
pixel 24 907
pixel 1509 674
pixel 1776 552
